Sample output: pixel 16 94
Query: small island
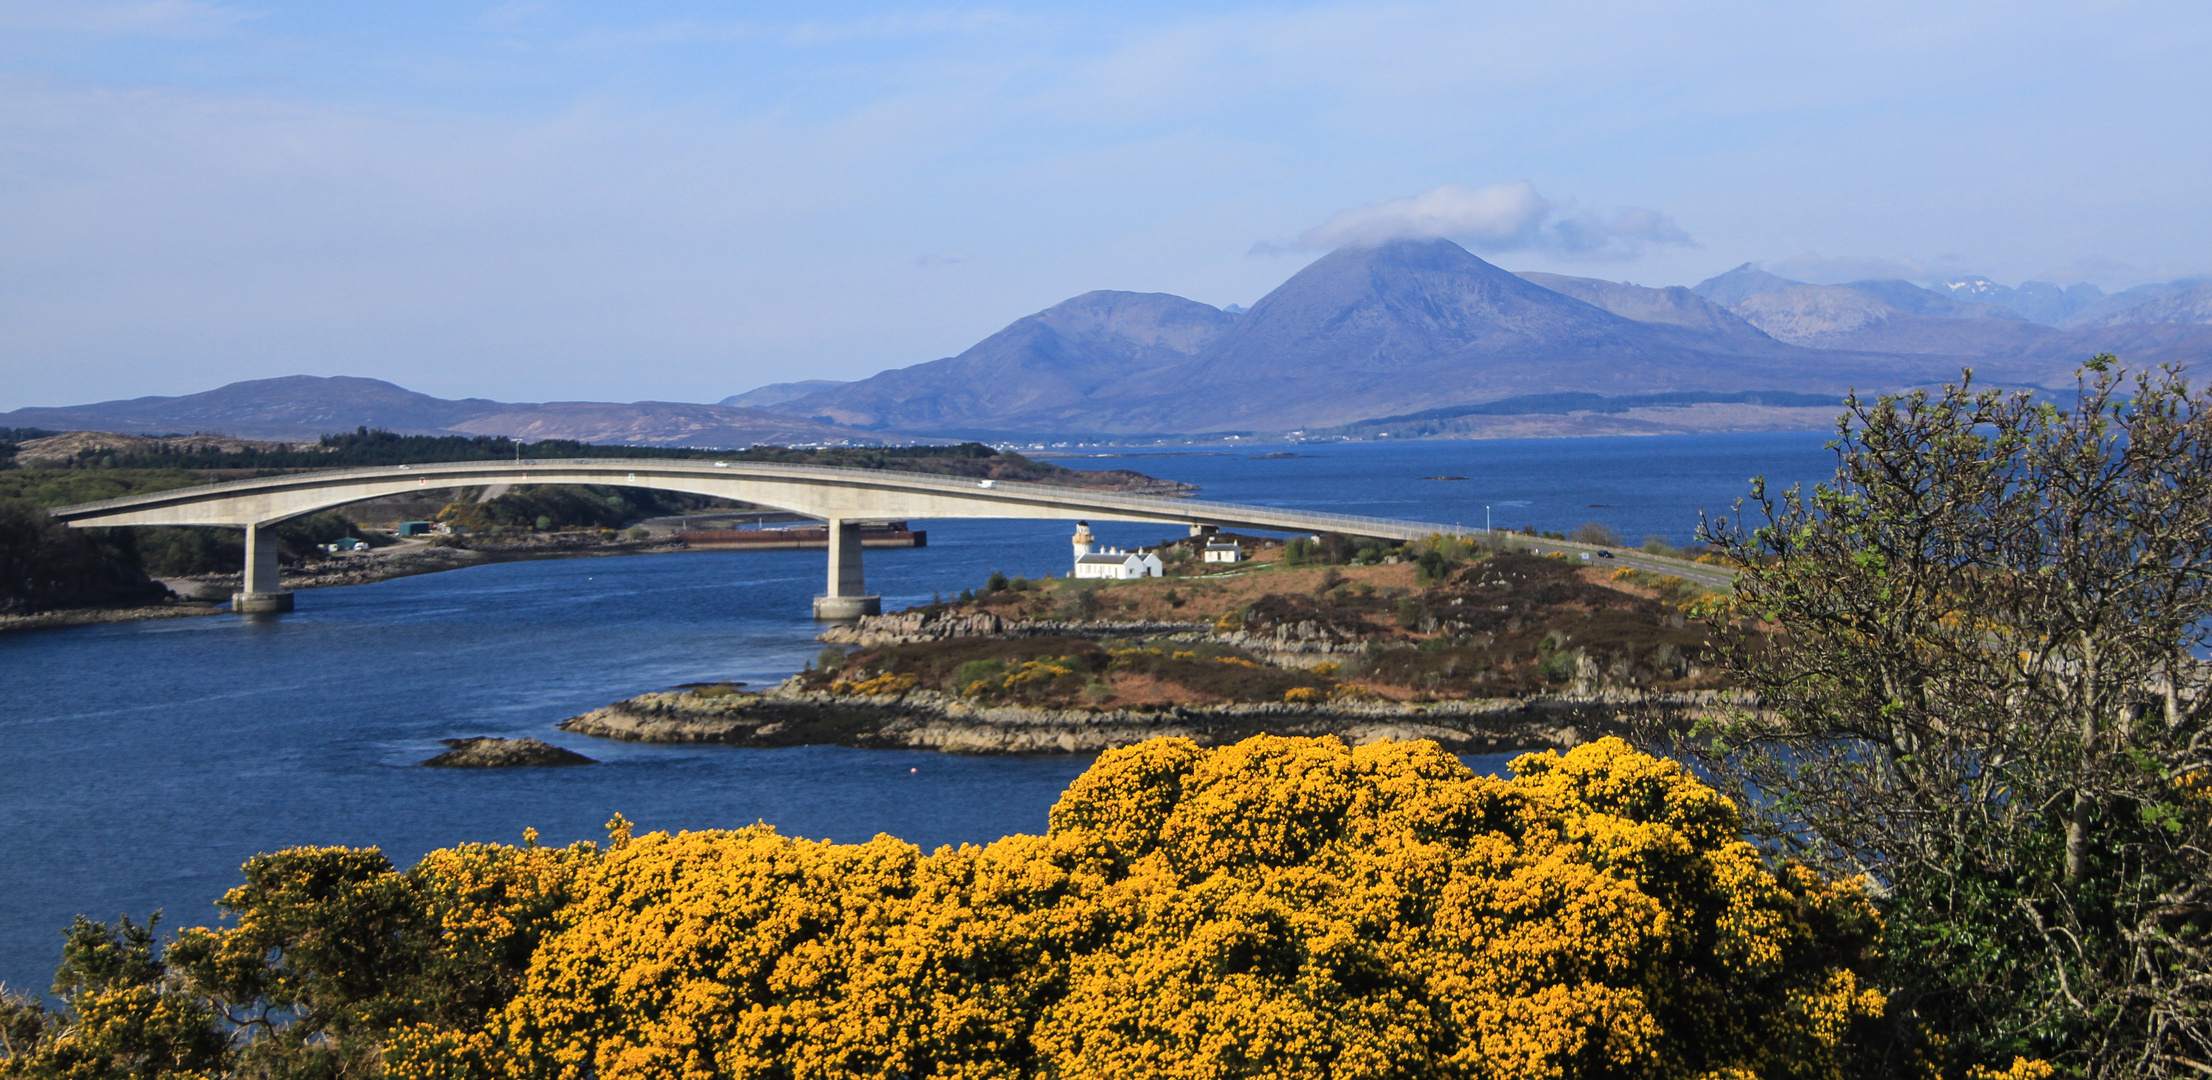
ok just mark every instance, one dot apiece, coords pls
pixel 497 753
pixel 1482 651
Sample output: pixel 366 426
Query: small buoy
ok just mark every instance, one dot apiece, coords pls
pixel 913 770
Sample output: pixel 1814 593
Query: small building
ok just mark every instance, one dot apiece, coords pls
pixel 1222 551
pixel 414 528
pixel 1119 565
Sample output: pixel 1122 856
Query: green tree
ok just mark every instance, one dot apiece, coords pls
pixel 1988 697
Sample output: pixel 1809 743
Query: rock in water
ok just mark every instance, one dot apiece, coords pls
pixel 488 753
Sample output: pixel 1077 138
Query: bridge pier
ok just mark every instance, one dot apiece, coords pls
pixel 847 597
pixel 263 592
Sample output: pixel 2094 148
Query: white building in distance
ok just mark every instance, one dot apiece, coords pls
pixel 1223 551
pixel 1116 563
pixel 1111 563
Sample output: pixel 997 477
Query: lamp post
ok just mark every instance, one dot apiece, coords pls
pixel 1486 518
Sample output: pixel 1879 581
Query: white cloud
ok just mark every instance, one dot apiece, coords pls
pixel 1493 218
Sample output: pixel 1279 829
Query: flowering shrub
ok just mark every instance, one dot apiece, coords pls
pixel 1282 907
pixel 884 683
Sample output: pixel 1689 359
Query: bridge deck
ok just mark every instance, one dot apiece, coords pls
pixel 818 491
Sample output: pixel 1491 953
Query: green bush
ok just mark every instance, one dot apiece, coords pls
pixel 1078 603
pixel 975 671
pixel 1411 612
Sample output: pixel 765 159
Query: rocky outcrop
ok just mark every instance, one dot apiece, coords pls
pixel 1293 644
pixel 494 753
pixel 1285 641
pixel 929 720
pixel 923 624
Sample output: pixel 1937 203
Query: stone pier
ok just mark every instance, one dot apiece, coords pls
pixel 263 592
pixel 848 596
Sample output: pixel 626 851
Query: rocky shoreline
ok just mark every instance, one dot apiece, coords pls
pixel 204 594
pixel 47 620
pixel 1304 643
pixel 788 715
pixel 866 705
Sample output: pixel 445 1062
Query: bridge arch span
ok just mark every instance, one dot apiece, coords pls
pixel 842 497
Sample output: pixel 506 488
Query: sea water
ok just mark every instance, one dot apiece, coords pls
pixel 142 763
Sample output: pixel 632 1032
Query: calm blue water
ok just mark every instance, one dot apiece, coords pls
pixel 141 763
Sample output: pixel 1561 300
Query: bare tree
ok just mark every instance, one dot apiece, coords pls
pixel 1985 690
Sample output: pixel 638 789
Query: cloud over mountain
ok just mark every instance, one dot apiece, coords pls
pixel 1493 218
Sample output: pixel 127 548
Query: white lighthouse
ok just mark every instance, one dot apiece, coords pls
pixel 1082 539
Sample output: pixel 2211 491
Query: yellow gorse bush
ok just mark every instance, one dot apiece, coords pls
pixel 884 683
pixel 1282 907
pixel 1038 671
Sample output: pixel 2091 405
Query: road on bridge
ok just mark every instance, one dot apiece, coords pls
pixel 842 497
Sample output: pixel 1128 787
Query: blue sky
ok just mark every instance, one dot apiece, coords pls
pixel 680 201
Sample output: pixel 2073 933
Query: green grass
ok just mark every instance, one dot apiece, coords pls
pixel 48 488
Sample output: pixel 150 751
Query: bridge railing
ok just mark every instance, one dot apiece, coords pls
pixel 1173 507
pixel 1074 499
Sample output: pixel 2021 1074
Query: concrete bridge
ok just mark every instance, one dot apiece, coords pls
pixel 842 497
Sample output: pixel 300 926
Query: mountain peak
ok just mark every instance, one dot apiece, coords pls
pixel 1401 302
pixel 1740 284
pixel 1149 320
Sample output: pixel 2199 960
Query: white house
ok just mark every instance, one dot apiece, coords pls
pixel 1110 562
pixel 1115 563
pixel 1223 551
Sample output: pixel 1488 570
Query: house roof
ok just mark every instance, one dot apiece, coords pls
pixel 1116 559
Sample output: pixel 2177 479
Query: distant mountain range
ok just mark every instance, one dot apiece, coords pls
pixel 1976 297
pixel 1975 322
pixel 1401 338
pixel 306 407
pixel 1406 328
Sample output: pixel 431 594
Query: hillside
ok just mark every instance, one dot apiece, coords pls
pixel 1848 317
pixel 307 407
pixel 1046 365
pixel 2190 306
pixel 1674 305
